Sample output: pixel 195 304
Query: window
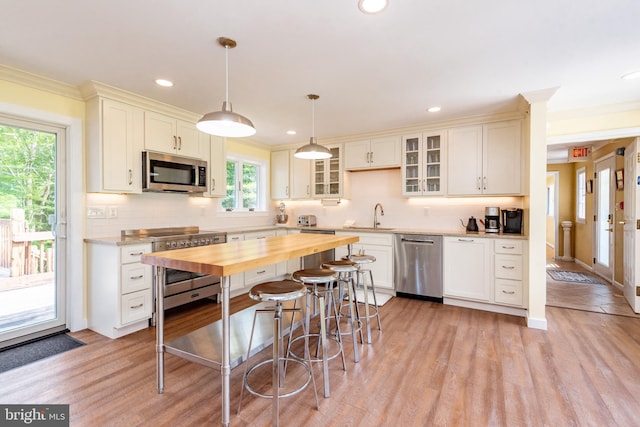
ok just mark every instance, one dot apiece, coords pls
pixel 581 195
pixel 245 184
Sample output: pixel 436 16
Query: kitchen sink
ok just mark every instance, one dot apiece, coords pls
pixel 355 227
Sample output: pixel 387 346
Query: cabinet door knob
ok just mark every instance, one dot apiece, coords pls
pixel 175 142
pixel 130 177
pixel 179 143
pixel 213 184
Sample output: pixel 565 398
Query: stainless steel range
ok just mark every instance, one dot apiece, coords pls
pixel 182 287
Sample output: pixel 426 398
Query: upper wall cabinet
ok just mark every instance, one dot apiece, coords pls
pixel 377 153
pixel 213 150
pixel 328 175
pixel 170 135
pixel 423 164
pixel 114 142
pixel 290 176
pixel 485 159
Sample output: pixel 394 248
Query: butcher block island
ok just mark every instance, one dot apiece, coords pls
pixel 225 260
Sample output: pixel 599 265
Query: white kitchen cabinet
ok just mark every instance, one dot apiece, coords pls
pixel 170 135
pixel 280 175
pixel 236 281
pixel 376 153
pixel 213 150
pixel 423 164
pixel 485 159
pixel 509 273
pixel 328 175
pixel 290 176
pixel 468 268
pixel 379 245
pixel 241 282
pixel 485 273
pixel 114 143
pixel 120 294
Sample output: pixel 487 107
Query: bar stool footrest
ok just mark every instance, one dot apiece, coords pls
pixel 270 361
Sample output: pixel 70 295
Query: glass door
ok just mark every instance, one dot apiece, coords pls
pixel 604 206
pixel 433 162
pixel 327 175
pixel 411 165
pixel 32 294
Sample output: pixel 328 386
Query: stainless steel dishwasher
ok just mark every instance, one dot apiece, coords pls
pixel 418 266
pixel 316 260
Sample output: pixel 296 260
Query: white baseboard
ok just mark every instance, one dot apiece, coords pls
pixel 537 323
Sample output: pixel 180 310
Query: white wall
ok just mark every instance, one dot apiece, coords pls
pixel 153 210
pixel 384 186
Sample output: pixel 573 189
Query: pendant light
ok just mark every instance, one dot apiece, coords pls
pixel 313 150
pixel 226 122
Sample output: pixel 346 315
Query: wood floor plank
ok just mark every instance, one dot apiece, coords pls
pixel 432 365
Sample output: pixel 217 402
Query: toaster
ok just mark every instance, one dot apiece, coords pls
pixel 307 220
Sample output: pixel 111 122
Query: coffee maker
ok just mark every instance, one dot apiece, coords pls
pixel 512 221
pixel 491 220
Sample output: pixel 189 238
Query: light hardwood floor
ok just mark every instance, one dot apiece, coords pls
pixel 433 365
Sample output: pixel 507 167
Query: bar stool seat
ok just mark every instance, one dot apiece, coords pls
pixel 346 270
pixel 277 292
pixel 320 284
pixel 360 260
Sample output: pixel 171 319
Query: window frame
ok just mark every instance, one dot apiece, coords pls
pixel 581 195
pixel 261 187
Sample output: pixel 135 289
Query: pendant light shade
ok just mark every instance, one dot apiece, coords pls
pixel 313 150
pixel 225 122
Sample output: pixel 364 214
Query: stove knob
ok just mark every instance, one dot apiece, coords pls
pixel 202 241
pixel 173 244
pixel 182 244
pixel 207 241
pixel 194 243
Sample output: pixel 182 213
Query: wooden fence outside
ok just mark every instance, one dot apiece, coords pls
pixel 24 252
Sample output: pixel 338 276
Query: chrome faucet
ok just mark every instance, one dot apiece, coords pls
pixel 375 215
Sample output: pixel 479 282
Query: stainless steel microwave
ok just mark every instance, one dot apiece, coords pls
pixel 167 173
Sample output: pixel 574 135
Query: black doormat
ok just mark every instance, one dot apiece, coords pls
pixel 573 276
pixel 35 350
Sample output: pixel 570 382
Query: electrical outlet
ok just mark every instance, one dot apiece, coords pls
pixel 112 211
pixel 426 211
pixel 95 212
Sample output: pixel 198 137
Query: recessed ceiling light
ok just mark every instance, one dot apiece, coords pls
pixel 632 75
pixel 291 132
pixel 372 6
pixel 164 83
pixel 433 109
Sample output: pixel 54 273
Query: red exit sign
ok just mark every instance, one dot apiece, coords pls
pixel 579 153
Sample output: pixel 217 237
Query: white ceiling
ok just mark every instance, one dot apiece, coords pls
pixel 372 72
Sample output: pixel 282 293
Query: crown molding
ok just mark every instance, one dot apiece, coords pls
pixel 91 89
pixel 35 81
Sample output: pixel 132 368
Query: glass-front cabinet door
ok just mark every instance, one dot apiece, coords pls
pixel 422 164
pixel 327 175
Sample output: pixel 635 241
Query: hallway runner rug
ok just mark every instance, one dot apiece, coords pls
pixel 36 350
pixel 573 276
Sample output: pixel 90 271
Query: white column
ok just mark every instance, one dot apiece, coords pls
pixel 566 254
pixel 535 202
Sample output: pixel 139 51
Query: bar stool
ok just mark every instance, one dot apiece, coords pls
pixel 319 283
pixel 346 270
pixel 277 292
pixel 360 260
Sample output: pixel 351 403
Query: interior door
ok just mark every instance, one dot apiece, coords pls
pixel 631 231
pixel 603 218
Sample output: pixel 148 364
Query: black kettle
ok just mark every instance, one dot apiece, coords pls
pixel 472 225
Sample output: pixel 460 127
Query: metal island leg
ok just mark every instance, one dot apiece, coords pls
pixel 225 368
pixel 158 280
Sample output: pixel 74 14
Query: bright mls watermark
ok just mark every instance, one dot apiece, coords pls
pixel 34 415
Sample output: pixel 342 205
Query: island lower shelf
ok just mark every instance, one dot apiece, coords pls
pixel 204 345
